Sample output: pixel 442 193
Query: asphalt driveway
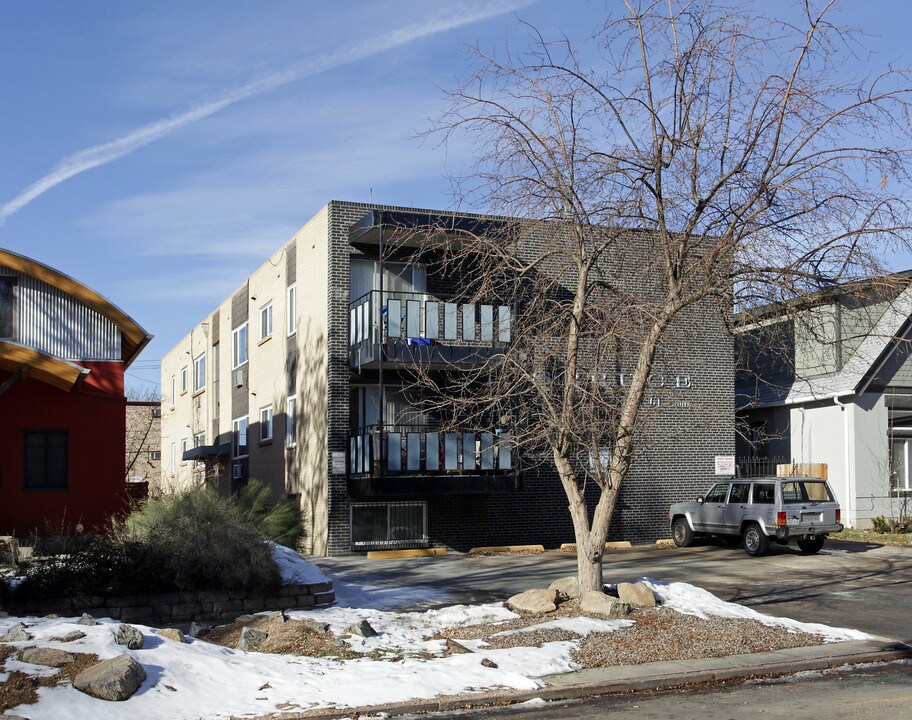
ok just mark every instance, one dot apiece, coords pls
pixel 857 585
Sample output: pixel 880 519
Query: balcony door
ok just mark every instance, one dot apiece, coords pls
pixel 398 277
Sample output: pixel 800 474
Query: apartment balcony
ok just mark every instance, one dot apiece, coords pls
pixel 417 462
pixel 408 327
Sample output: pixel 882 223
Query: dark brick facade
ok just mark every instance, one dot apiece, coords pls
pixel 683 434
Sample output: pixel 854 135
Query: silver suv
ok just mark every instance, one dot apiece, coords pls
pixel 758 510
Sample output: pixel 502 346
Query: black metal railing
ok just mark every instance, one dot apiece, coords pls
pixel 420 450
pixel 419 318
pixel 760 466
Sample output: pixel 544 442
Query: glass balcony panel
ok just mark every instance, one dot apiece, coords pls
pixel 468 321
pixel 504 454
pixel 503 324
pixel 394 318
pixel 353 326
pixel 469 461
pixel 432 443
pixel 412 318
pixel 486 443
pixel 394 452
pixel 413 451
pixel 451 451
pixel 449 321
pixel 432 320
pixel 487 323
pixel 365 321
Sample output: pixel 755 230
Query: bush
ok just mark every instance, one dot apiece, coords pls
pixel 81 566
pixel 205 541
pixel 281 522
pixel 880 525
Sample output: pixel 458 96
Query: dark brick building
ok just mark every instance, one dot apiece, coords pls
pixel 294 399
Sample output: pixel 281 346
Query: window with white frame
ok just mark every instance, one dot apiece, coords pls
pixel 199 373
pixel 185 446
pixel 173 458
pixel 266 322
pixel 266 423
pixel 185 378
pixel 291 311
pixel 199 439
pixel 291 421
pixel 239 346
pixel 173 390
pixel 239 436
pixel 900 456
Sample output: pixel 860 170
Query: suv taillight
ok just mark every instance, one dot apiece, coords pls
pixel 838 515
pixel 780 519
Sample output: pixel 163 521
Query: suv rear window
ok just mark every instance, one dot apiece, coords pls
pixel 764 493
pixel 805 491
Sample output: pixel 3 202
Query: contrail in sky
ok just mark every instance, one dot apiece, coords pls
pixel 107 152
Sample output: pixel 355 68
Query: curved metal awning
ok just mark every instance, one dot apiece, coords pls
pixel 134 337
pixel 40 366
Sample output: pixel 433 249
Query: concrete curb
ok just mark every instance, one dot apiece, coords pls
pixel 648 676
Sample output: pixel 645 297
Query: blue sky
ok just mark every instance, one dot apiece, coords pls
pixel 158 152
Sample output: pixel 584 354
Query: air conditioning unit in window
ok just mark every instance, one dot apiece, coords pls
pixel 239 378
pixel 238 471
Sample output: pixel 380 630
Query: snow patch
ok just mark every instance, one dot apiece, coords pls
pixel 294 569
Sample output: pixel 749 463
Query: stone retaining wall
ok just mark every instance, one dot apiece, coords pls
pixel 184 606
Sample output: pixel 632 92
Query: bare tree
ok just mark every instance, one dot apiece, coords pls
pixel 689 158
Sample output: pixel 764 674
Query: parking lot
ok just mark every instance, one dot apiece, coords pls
pixel 858 585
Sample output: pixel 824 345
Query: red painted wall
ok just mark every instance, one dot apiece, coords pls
pixel 95 414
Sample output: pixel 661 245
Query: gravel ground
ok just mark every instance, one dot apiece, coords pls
pixel 20 688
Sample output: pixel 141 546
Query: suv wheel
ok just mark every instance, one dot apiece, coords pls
pixel 755 542
pixel 681 532
pixel 809 546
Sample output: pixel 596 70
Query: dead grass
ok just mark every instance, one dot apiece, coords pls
pixel 22 689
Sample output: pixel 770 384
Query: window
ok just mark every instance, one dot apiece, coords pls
pixel 215 381
pixel 185 379
pixel 393 524
pixel 239 346
pixel 240 437
pixel 805 491
pixel 266 322
pixel 266 423
pixel 173 459
pixel 173 390
pixel 46 459
pixel 199 439
pixel 291 421
pixel 7 307
pixel 899 464
pixel 764 493
pixel 739 493
pixel 155 455
pixel 717 494
pixel 291 311
pixel 199 373
pixel 185 446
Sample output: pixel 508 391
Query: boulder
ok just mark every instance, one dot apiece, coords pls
pixel 87 619
pixel 636 595
pixel 171 633
pixel 115 679
pixel 71 636
pixel 534 602
pixel 47 656
pixel 489 663
pixel 128 636
pixel 363 628
pixel 251 639
pixel 596 602
pixel 568 586
pixel 16 633
pixel 199 629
